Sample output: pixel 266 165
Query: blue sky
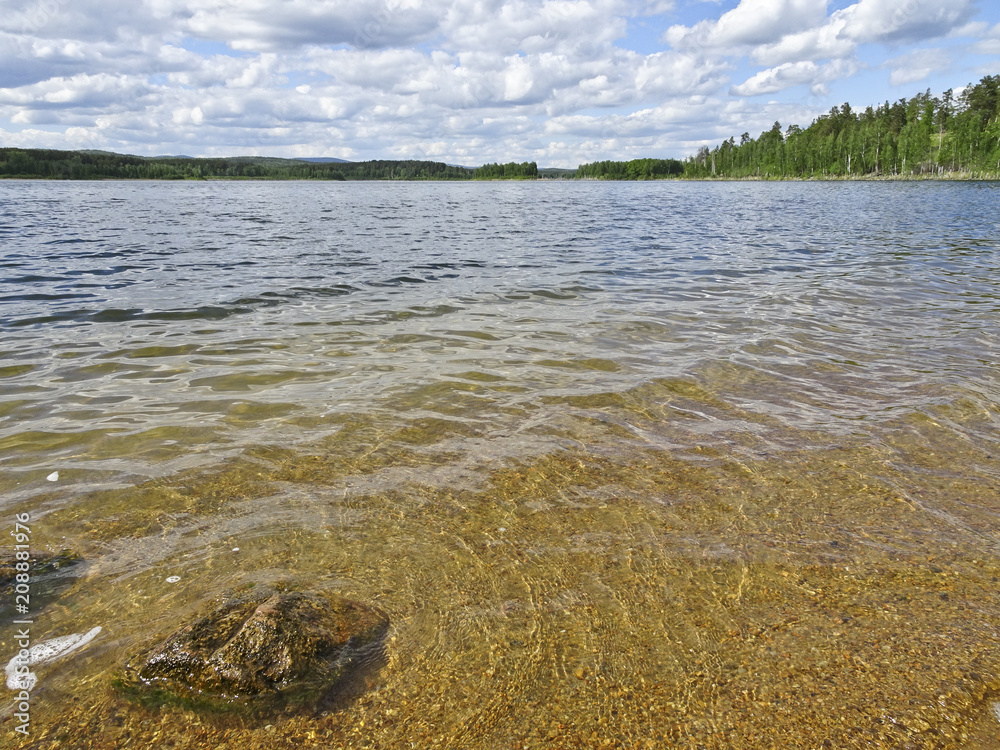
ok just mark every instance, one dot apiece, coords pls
pixel 559 82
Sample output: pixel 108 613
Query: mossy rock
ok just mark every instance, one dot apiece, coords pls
pixel 266 648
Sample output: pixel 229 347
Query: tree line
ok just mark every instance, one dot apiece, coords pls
pixel 89 165
pixel 636 169
pixel 925 135
pixel 527 170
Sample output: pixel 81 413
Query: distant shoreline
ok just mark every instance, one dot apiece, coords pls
pixel 964 177
pixel 50 164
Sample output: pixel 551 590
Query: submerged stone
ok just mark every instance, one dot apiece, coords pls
pixel 39 564
pixel 47 572
pixel 289 646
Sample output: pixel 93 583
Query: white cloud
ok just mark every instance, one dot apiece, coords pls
pixel 265 25
pixel 785 31
pixel 917 65
pixel 787 75
pixel 88 92
pixel 187 116
pixel 517 80
pixel 674 74
pixel 658 7
pixel 93 20
pixel 911 21
pixel 987 47
pixel 973 28
pixel 533 27
pixel 752 22
pixel 989 42
pixel 801 45
pixel 819 43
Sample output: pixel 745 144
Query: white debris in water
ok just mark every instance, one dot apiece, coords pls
pixel 53 477
pixel 996 710
pixel 173 579
pixel 236 549
pixel 43 653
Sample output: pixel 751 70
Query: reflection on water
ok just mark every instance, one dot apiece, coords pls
pixel 705 465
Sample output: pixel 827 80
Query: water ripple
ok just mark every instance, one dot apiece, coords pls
pixel 815 306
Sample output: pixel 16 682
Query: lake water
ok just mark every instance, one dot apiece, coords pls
pixel 627 464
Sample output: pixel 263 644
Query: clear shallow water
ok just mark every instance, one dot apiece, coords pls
pixel 625 426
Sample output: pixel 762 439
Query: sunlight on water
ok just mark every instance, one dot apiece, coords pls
pixel 627 465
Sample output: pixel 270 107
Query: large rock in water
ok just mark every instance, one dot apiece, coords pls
pixel 292 646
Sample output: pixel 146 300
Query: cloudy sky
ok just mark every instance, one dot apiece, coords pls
pixel 559 82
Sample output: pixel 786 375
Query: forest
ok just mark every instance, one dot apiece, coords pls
pixel 637 169
pixel 91 165
pixel 924 136
pixel 512 171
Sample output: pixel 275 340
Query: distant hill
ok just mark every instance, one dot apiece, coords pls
pixel 322 159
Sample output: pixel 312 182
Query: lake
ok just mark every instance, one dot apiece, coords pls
pixel 626 464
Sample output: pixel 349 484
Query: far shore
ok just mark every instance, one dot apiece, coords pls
pixel 945 177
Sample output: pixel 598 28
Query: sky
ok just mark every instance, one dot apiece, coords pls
pixel 558 82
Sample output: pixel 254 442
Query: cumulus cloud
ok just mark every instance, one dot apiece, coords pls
pixel 917 65
pixel 801 45
pixel 81 92
pixel 823 42
pixel 751 22
pixel 892 21
pixel 673 74
pixel 93 20
pixel 533 27
pixel 794 74
pixel 266 25
pixel 793 30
